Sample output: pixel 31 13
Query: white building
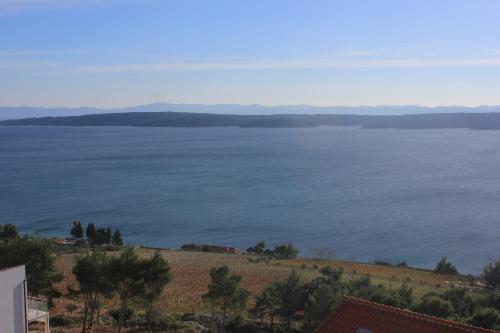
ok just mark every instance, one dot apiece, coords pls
pixel 17 310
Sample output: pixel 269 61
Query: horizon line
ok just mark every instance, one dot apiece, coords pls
pixel 258 105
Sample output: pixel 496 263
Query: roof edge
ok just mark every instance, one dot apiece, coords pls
pixel 416 315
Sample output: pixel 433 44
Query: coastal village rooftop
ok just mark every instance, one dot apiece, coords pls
pixel 359 316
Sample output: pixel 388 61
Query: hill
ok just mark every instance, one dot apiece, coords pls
pixel 20 112
pixel 191 277
pixel 477 121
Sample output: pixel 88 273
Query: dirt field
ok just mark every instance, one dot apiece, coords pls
pixel 191 277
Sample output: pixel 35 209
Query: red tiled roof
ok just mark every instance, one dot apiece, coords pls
pixel 353 314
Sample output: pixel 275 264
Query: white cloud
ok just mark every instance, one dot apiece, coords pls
pixel 312 63
pixel 317 63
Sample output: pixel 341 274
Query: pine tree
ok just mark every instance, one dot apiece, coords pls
pixel 117 238
pixel 157 275
pixel 91 232
pixel 8 231
pixel 100 236
pixel 225 295
pixel 91 273
pixel 73 229
pixel 107 238
pixel 125 275
pixel 78 230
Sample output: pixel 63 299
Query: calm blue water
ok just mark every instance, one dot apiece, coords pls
pixel 369 194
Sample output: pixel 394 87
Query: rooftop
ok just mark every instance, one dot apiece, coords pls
pixel 355 315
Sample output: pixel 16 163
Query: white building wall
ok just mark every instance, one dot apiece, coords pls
pixel 12 300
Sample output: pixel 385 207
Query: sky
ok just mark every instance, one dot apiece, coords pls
pixel 114 53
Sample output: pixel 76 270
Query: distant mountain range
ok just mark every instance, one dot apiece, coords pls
pixel 477 121
pixel 29 112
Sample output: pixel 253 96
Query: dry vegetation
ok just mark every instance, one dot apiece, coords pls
pixel 190 270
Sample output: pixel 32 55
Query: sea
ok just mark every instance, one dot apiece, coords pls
pixel 363 195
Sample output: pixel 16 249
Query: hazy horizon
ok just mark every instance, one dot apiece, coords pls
pixel 19 112
pixel 118 53
pixel 120 106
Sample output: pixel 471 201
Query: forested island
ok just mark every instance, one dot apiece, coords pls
pixel 476 121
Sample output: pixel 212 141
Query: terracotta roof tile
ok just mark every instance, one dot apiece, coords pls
pixel 353 314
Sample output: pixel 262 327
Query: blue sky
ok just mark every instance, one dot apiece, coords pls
pixel 122 52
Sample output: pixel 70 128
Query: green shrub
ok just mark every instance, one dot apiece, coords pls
pixel 165 322
pixel 485 318
pixel 433 305
pixel 115 314
pixel 387 297
pixel 59 320
pixel 444 267
pixel 188 317
pixel 491 275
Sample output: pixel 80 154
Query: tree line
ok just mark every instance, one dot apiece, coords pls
pixel 284 305
pixel 128 276
pixel 294 305
pixel 8 231
pixel 285 251
pixel 97 236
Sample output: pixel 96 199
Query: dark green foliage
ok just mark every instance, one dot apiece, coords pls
pixel 128 275
pixel 320 303
pixel 156 273
pixel 385 263
pixel 361 287
pixel 492 300
pixel 102 236
pixel 402 264
pixel 445 267
pixel 268 252
pixel 59 320
pixel 259 248
pixel 91 232
pixel 433 305
pixel 117 238
pixel 292 297
pixel 464 302
pixel 389 297
pixel 288 251
pixel 77 230
pixel 382 263
pixel 189 247
pixel 8 231
pixel 38 256
pixel 125 276
pixel 107 236
pixel 91 272
pixel 456 119
pixel 485 318
pixel 330 275
pixel 224 294
pixel 267 304
pixel 323 294
pixel 406 294
pixel 164 322
pixel 127 315
pixel 243 327
pixel 491 275
pixel 478 307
